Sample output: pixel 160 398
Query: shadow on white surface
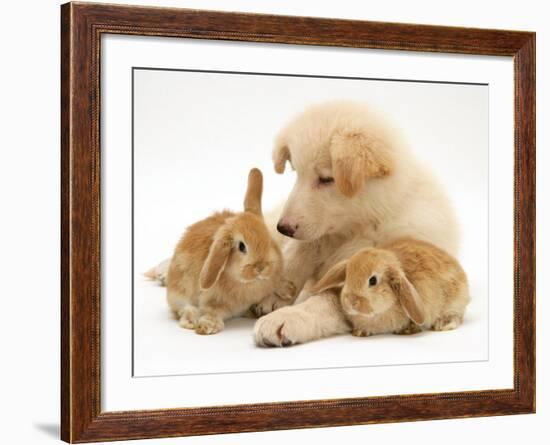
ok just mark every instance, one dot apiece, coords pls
pixel 163 348
pixel 49 429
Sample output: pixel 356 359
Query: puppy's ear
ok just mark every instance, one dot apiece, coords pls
pixel 333 279
pixel 357 156
pixel 407 295
pixel 217 259
pixel 281 154
pixel 253 197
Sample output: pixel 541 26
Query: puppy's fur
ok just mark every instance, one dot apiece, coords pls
pixel 379 193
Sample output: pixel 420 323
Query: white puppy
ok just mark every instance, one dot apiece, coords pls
pixel 357 184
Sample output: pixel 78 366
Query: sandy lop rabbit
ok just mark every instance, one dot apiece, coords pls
pixel 400 288
pixel 223 264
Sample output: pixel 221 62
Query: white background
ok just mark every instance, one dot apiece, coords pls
pixel 197 135
pixel 30 186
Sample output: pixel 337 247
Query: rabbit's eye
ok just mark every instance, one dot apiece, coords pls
pixel 242 247
pixel 373 281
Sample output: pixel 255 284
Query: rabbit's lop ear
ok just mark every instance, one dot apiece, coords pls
pixel 333 279
pixel 253 197
pixel 408 297
pixel 216 260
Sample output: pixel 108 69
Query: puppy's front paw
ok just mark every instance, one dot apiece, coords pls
pixel 284 327
pixel 269 304
pixel 208 325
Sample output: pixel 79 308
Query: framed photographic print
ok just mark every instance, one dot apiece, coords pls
pixel 274 222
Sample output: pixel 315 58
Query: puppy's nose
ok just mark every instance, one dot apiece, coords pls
pixel 286 228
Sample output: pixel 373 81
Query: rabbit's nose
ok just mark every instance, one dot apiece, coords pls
pixel 260 267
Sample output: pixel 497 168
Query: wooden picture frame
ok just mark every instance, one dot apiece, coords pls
pixel 82 26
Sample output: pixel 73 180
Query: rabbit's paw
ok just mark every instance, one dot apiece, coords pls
pixel 269 304
pixel 188 317
pixel 447 323
pixel 360 332
pixel 208 325
pixel 410 329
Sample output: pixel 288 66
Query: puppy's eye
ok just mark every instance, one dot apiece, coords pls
pixel 325 180
pixel 373 281
pixel 242 247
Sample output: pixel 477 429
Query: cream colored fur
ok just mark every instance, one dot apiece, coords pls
pixel 380 193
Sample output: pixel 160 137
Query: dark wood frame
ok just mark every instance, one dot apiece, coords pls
pixel 81 28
